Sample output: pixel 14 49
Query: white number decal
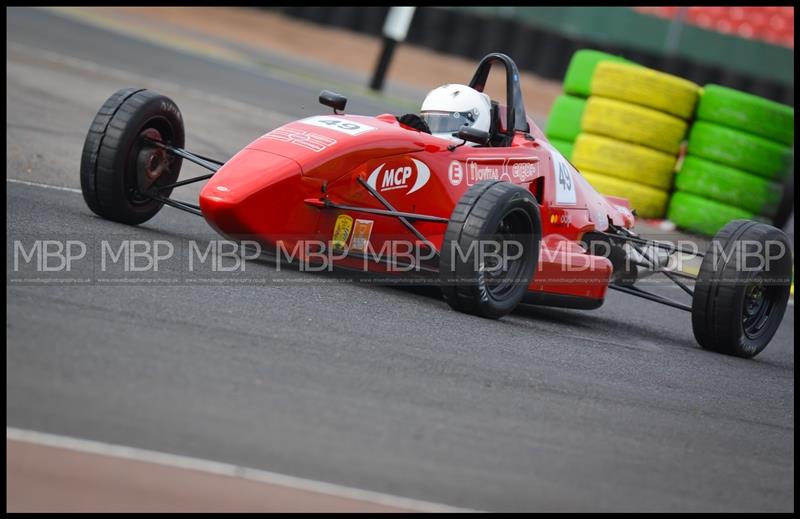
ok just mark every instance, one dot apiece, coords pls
pixel 564 177
pixel 338 124
pixel 565 185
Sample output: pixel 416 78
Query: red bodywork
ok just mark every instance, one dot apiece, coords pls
pixel 272 190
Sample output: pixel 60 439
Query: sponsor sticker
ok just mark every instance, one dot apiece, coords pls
pixel 341 231
pixel 560 219
pixel 406 175
pixel 304 139
pixel 455 173
pixel 361 233
pixel 523 171
pixel 338 124
pixel 485 169
pixel 516 170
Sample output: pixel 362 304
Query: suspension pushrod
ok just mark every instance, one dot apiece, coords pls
pixel 184 182
pixel 677 273
pixel 650 296
pixel 214 161
pixel 670 274
pixel 177 204
pixel 212 165
pixel 678 282
pixel 671 248
pixel 387 205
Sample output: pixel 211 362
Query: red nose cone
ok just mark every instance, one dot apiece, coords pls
pixel 245 197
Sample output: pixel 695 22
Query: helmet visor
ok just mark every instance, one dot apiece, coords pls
pixel 448 122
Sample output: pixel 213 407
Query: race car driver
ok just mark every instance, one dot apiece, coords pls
pixel 448 108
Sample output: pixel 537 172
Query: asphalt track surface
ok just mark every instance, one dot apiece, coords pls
pixel 379 388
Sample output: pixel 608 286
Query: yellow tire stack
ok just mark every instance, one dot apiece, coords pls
pixel 631 128
pixel 564 122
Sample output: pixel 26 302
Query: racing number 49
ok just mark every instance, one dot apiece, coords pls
pixel 340 124
pixel 564 178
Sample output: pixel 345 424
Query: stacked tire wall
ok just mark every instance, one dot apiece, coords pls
pixel 739 163
pixel 628 128
pixel 622 125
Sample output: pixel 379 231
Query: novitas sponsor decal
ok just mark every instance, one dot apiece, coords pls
pixel 512 170
pixel 478 170
pixel 408 175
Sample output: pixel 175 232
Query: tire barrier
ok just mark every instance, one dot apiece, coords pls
pixel 746 112
pixel 581 70
pixel 633 123
pixel 739 161
pixel 728 185
pixel 626 127
pixel 626 134
pixel 564 121
pixel 648 201
pixel 701 215
pixel 736 148
pixel 623 160
pixel 645 86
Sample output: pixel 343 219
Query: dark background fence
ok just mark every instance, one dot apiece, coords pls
pixel 535 49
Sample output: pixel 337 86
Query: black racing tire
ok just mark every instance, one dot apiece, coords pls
pixel 489 214
pixel 740 296
pixel 117 164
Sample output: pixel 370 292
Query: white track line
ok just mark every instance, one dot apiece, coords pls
pixel 222 469
pixel 46 186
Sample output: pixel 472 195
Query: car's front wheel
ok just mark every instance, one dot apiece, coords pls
pixel 491 249
pixel 742 289
pixel 119 163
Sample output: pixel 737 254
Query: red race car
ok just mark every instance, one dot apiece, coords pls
pixel 496 217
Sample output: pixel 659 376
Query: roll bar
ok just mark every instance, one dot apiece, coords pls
pixel 516 119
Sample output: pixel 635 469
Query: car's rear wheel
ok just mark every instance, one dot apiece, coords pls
pixel 742 289
pixel 490 249
pixel 119 163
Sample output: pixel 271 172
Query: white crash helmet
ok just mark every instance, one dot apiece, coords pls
pixel 449 107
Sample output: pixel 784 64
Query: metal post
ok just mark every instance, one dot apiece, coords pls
pixel 395 28
pixel 383 64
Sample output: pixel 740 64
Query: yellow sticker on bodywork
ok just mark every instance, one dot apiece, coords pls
pixel 341 231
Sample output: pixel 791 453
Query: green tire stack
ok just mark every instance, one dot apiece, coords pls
pixel 564 122
pixel 739 163
pixel 622 125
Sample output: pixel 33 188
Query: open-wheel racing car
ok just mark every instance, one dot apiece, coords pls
pixel 364 183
